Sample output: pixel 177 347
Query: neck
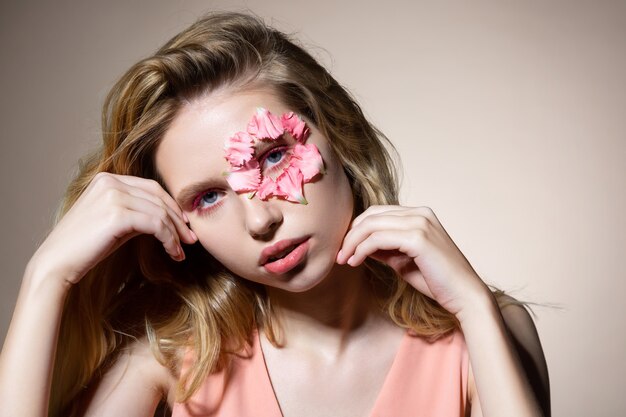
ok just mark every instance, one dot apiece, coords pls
pixel 334 310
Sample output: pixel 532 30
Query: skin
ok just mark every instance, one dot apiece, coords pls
pixel 192 151
pixel 329 321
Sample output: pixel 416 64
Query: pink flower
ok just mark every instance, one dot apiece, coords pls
pixel 269 188
pixel 295 126
pixel 303 162
pixel 246 178
pixel 239 148
pixel 290 183
pixel 264 125
pixel 308 160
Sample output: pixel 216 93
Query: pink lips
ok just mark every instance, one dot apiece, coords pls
pixel 290 260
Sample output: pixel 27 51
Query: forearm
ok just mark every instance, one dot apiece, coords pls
pixel 27 358
pixel 500 379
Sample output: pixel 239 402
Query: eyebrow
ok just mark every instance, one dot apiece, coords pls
pixel 190 192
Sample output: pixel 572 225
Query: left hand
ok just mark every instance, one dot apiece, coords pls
pixel 412 241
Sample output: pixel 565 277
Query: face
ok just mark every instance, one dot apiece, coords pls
pixel 271 241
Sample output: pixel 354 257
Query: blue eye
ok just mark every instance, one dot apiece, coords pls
pixel 210 197
pixel 274 157
pixel 207 201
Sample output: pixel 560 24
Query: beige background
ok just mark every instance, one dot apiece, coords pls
pixel 510 119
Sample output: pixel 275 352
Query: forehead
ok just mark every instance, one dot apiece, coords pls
pixel 192 149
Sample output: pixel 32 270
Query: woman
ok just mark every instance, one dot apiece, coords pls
pixel 303 288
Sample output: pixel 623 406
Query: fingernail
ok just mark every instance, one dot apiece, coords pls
pixel 193 235
pixel 350 259
pixel 181 254
pixel 185 218
pixel 339 255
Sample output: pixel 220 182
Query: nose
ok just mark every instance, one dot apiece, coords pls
pixel 262 217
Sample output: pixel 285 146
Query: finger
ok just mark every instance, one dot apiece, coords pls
pixel 373 210
pixel 342 255
pixel 155 220
pixel 150 190
pixel 397 260
pixel 398 210
pixel 148 185
pixel 379 222
pixel 153 187
pixel 134 223
pixel 184 232
pixel 407 242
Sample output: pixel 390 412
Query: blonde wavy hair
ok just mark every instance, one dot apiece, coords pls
pixel 139 291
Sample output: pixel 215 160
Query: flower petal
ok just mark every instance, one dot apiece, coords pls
pixel 246 178
pixel 308 160
pixel 290 183
pixel 264 125
pixel 239 148
pixel 269 188
pixel 295 126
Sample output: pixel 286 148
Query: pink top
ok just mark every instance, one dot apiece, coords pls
pixel 424 379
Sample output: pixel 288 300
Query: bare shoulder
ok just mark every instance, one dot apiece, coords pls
pixel 523 333
pixel 133 386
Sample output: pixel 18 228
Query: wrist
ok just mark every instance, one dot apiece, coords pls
pixel 38 277
pixel 482 305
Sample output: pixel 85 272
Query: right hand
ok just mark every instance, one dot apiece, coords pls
pixel 112 209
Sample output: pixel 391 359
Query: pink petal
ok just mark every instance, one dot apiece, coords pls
pixel 246 178
pixel 269 188
pixel 295 126
pixel 308 160
pixel 239 148
pixel 290 183
pixel 264 125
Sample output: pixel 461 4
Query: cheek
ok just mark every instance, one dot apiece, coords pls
pixel 227 251
pixel 344 203
pixel 333 196
pixel 217 235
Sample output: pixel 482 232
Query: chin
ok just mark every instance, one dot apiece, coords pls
pixel 309 276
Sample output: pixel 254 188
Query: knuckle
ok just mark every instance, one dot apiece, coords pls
pixel 366 222
pixel 427 211
pixel 163 215
pixel 376 236
pixel 370 209
pixel 103 179
pixel 422 222
pixel 111 196
pixel 154 186
pixel 158 224
pixel 99 175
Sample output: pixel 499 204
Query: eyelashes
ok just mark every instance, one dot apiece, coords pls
pixel 278 158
